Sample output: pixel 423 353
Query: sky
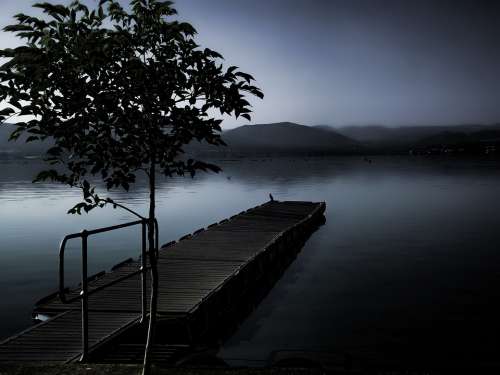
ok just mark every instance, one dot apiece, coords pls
pixel 352 62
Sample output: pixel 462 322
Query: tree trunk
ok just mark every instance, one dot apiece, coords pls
pixel 154 273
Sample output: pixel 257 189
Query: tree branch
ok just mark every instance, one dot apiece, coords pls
pixel 110 201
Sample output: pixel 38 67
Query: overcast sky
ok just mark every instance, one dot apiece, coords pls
pixel 339 62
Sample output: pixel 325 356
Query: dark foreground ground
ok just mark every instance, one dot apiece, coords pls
pixel 93 369
pixel 135 369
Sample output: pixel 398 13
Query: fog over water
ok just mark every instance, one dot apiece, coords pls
pixel 408 256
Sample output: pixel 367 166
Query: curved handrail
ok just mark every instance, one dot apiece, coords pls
pixel 62 247
pixel 84 293
pixel 83 233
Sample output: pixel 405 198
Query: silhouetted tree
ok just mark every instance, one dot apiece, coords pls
pixel 119 91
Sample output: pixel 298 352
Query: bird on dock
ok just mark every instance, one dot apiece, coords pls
pixel 271 197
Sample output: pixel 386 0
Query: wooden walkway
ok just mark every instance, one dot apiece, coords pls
pixel 199 274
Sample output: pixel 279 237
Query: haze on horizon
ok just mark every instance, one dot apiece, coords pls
pixel 351 62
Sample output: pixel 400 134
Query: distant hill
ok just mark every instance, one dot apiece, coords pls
pixel 287 137
pixel 278 138
pixel 444 138
pixel 281 138
pixel 448 142
pixel 295 139
pixel 379 139
pixel 403 135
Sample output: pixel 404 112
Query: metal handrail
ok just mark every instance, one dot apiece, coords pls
pixel 84 292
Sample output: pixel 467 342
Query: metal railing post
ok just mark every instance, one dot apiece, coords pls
pixel 143 273
pixel 85 300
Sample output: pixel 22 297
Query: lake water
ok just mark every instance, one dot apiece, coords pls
pixel 408 262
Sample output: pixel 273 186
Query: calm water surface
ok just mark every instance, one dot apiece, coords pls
pixel 409 256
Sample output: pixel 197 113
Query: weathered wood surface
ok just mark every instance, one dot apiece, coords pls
pixel 59 339
pixel 191 271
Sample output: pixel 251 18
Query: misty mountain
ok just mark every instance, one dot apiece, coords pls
pixel 278 138
pixel 444 138
pixel 479 142
pixel 377 135
pixel 290 138
pixel 287 137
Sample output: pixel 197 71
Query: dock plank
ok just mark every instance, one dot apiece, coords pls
pixel 59 339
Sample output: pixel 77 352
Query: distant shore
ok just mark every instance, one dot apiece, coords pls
pixel 295 140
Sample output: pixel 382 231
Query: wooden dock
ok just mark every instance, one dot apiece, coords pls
pixel 202 277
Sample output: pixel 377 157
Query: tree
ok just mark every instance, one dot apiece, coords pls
pixel 119 92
